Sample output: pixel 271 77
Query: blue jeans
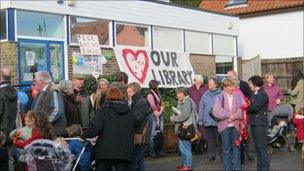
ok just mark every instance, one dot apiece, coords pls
pixel 230 152
pixel 186 153
pixel 138 159
pixel 152 127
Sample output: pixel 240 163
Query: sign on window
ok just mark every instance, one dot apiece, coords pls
pixel 89 44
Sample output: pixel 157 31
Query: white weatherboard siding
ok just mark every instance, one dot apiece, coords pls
pixel 272 36
pixel 140 12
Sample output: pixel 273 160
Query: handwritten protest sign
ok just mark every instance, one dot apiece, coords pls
pixel 171 69
pixel 88 44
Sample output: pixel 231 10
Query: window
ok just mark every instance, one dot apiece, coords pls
pixel 40 24
pixel 3 25
pixel 132 35
pixel 197 42
pixel 224 45
pixel 97 27
pixel 166 38
pixel 223 64
pixel 236 2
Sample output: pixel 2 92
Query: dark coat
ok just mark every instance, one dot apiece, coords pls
pixel 3 158
pixel 258 108
pixel 114 125
pixel 245 89
pixel 141 110
pixel 71 110
pixel 8 107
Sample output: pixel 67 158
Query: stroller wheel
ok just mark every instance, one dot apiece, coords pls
pixel 269 149
pixel 291 148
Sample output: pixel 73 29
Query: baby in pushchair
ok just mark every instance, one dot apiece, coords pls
pixel 48 155
pixel 279 120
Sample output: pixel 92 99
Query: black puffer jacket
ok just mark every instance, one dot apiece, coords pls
pixel 114 125
pixel 8 107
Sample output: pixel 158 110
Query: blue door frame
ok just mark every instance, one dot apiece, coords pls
pixel 48 57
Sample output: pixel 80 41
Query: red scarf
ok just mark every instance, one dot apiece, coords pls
pixel 244 123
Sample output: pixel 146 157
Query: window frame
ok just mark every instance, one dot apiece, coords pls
pixel 6 26
pixel 102 46
pixel 64 23
pixel 182 36
pixel 131 24
pixel 232 3
pixel 194 52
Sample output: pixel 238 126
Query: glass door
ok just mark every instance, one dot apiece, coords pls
pixel 56 61
pixel 32 58
pixel 40 55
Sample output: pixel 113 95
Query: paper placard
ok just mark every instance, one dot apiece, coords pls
pixel 30 58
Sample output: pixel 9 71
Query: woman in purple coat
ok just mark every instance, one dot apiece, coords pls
pixel 228 108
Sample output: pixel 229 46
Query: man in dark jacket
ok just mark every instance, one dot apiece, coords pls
pixel 50 101
pixel 8 102
pixel 141 111
pixel 258 121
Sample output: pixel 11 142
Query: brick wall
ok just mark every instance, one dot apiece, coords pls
pixel 203 64
pixel 9 58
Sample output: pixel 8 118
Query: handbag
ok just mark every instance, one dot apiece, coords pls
pixel 187 132
pixel 211 114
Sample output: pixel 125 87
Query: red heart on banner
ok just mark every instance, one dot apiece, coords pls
pixel 137 63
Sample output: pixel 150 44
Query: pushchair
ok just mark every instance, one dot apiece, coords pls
pixel 87 144
pixel 279 122
pixel 48 155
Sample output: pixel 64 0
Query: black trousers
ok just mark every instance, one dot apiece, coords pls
pixel 214 140
pixel 259 137
pixel 112 165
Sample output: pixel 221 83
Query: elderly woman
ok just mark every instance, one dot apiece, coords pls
pixel 185 110
pixel 205 107
pixel 228 108
pixel 71 110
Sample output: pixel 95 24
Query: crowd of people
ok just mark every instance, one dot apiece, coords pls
pixel 231 116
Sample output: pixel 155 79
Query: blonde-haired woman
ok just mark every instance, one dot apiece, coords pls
pixel 228 108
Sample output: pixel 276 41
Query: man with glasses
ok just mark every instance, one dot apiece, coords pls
pixel 50 101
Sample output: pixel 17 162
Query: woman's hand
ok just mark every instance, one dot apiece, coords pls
pixel 231 118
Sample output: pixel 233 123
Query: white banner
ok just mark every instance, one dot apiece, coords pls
pixel 171 69
pixel 89 44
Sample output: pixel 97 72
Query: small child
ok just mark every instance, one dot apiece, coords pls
pixel 22 134
pixel 3 153
pixel 276 128
pixel 298 121
pixel 74 131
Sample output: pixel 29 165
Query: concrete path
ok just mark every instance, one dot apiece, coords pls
pixel 281 159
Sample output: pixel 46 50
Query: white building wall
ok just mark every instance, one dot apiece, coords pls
pixel 141 12
pixel 272 36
